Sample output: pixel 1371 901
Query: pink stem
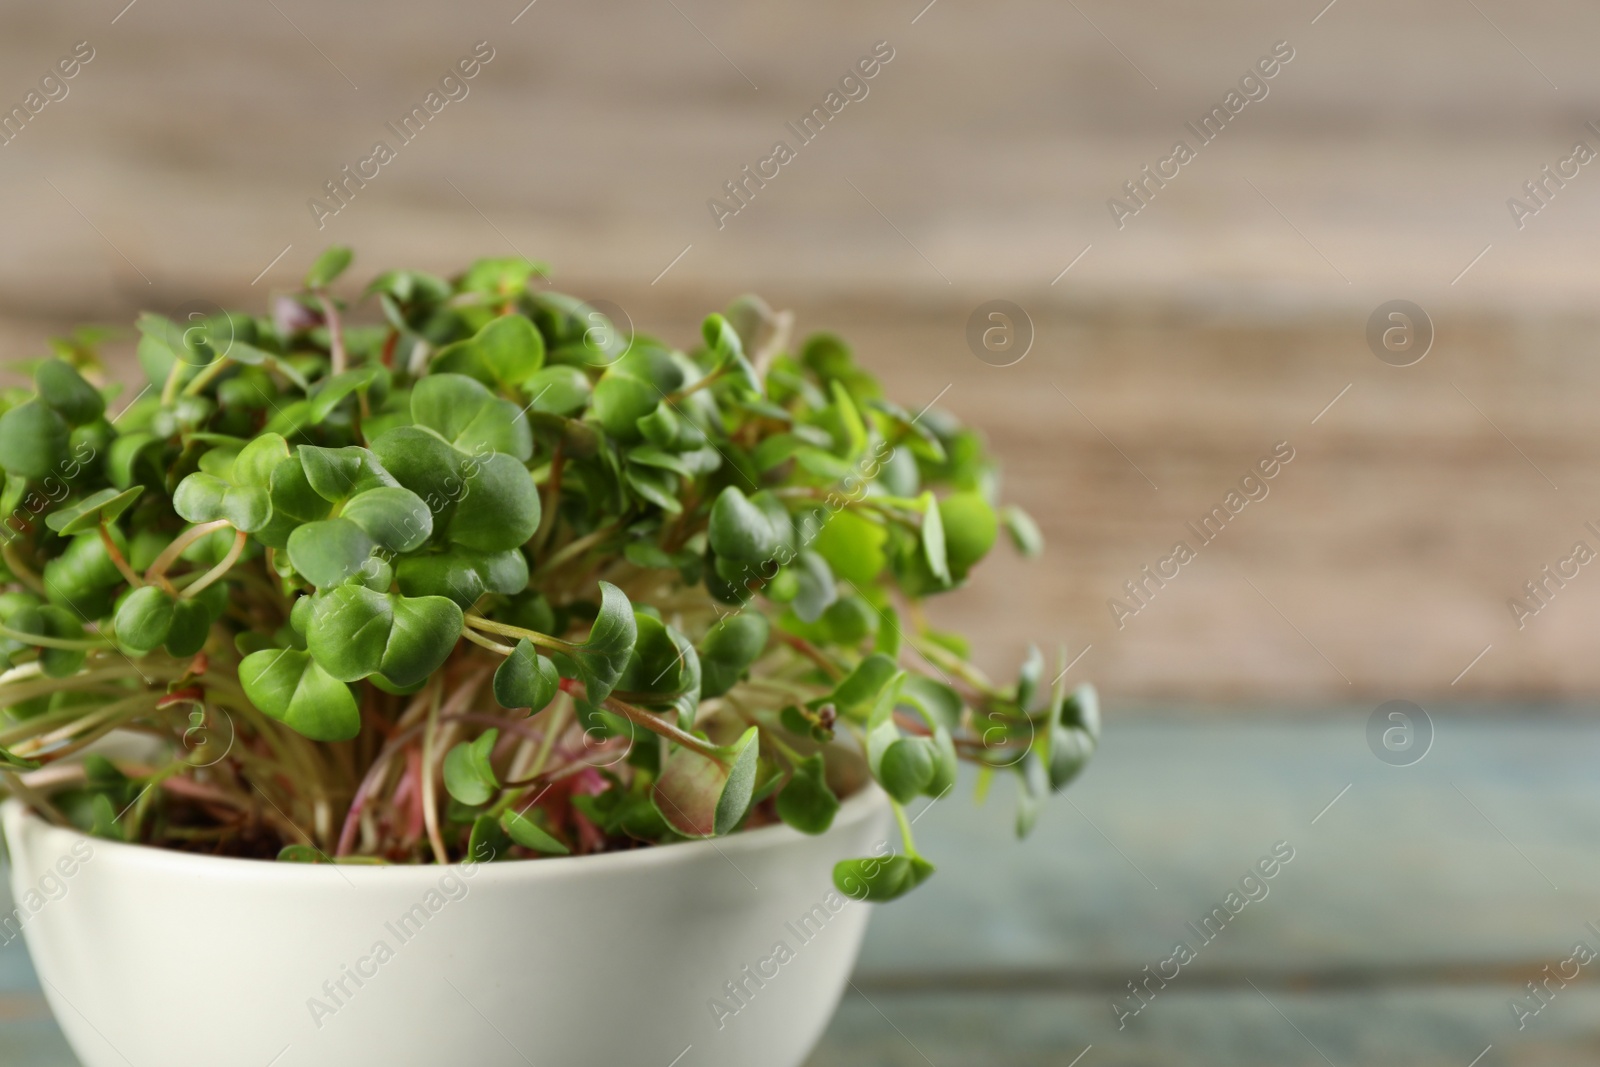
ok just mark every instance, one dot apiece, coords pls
pixel 347 833
pixel 411 785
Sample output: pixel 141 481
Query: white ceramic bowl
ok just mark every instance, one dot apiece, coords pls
pixel 724 953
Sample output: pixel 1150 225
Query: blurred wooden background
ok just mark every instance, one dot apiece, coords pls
pixel 1174 353
pixel 1169 356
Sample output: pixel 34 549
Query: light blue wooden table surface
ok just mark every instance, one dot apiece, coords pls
pixel 1414 908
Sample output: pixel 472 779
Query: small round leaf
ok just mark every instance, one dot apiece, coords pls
pixel 468 416
pixel 805 802
pixel 500 506
pixel 526 679
pixel 288 685
pixel 880 879
pixel 701 796
pixel 394 517
pixel 64 389
pixel 468 774
pixel 970 529
pixel 144 619
pixel 191 625
pixel 740 531
pixel 728 649
pixel 33 441
pixel 329 551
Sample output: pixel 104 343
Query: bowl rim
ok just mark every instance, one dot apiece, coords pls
pixel 19 820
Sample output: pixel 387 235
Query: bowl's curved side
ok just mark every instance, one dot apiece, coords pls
pixel 739 947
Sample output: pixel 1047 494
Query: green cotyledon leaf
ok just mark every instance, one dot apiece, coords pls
pixel 355 632
pixel 329 551
pixel 328 266
pixel 729 648
pixel 462 574
pixel 740 530
pixel 499 508
pixel 468 774
pixel 103 506
pixel 506 351
pixel 64 389
pixel 603 657
pixel 524 831
pixel 235 485
pixel 880 879
pixel 805 801
pixel 526 679
pixel 288 685
pixel 469 417
pixel 33 441
pixel 704 796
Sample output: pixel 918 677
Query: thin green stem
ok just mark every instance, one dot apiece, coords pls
pixel 406 728
pixel 147 797
pixel 656 724
pixel 99 730
pixel 704 383
pixel 577 547
pixel 109 713
pixel 955 665
pixel 222 568
pixel 980 792
pixel 787 689
pixel 430 806
pixel 22 672
pixel 505 629
pixel 49 720
pixel 16 692
pixel 207 374
pixel 34 799
pixel 535 776
pixel 552 503
pixel 73 643
pixel 547 744
pixel 290 750
pixel 788 751
pixel 117 557
pixel 811 652
pixel 20 570
pixel 479 639
pixel 909 845
pixel 157 571
pixel 169 388
pixel 768 736
pixel 901 502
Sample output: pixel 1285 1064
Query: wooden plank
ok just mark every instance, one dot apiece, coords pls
pixel 34 1044
pixel 1391 141
pixel 1407 867
pixel 1241 1027
pixel 16 971
pixel 1448 1028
